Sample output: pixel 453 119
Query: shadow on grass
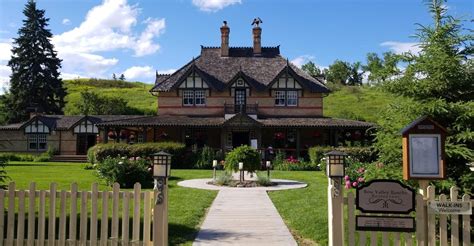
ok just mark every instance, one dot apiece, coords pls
pixel 36 165
pixel 180 234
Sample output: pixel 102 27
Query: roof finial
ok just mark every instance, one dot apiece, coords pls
pixel 256 22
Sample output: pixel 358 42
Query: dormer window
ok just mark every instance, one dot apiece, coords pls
pixel 286 91
pixel 193 90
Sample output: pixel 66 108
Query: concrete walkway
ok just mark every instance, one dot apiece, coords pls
pixel 243 217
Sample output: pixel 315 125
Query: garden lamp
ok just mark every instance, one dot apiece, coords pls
pixel 335 164
pixel 214 166
pixel 241 169
pixel 268 164
pixel 161 165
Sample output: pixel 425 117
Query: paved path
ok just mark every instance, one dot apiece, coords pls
pixel 243 217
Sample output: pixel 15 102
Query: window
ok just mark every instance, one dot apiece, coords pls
pixel 200 97
pixel 194 97
pixel 279 98
pixel 37 142
pixel 286 98
pixel 188 98
pixel 292 98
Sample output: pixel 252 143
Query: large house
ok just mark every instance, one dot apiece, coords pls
pixel 224 98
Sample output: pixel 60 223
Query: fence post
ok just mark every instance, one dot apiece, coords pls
pixel 335 212
pixel 424 232
pixel 160 220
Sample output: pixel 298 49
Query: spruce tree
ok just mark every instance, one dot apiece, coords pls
pixel 34 81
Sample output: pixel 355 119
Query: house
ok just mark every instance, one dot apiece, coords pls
pixel 223 98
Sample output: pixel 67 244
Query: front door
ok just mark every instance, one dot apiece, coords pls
pixel 240 138
pixel 84 142
pixel 240 100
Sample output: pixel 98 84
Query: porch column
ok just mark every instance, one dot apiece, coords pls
pixel 105 135
pixel 145 133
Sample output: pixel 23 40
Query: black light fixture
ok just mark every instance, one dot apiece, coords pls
pixel 335 164
pixel 161 164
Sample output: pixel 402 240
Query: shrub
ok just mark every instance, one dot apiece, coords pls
pixel 206 156
pixel 263 180
pixel 361 154
pixel 125 171
pixel 295 165
pixel 17 157
pixel 250 157
pixel 100 152
pixel 223 178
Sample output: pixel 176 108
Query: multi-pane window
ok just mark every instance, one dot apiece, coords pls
pixel 280 98
pixel 292 98
pixel 194 97
pixel 37 142
pixel 286 98
pixel 200 97
pixel 188 98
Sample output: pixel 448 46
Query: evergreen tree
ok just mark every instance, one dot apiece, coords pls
pixel 312 70
pixel 114 77
pixel 122 77
pixel 438 81
pixel 34 81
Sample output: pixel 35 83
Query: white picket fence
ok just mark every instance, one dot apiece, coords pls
pixel 436 232
pixel 53 217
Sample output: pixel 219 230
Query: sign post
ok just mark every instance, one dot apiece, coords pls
pixel 423 155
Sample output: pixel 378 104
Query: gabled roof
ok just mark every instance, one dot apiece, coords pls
pixel 252 82
pixel 66 122
pixel 241 119
pixel 420 120
pixel 262 69
pixel 208 79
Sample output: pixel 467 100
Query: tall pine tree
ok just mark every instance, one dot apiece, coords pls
pixel 34 81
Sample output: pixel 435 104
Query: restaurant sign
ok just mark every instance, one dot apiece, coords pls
pixel 385 223
pixel 448 207
pixel 385 196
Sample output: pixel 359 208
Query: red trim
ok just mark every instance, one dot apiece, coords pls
pixel 190 107
pixel 289 107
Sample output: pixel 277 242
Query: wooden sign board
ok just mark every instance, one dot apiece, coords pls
pixel 385 196
pixel 385 223
pixel 450 207
pixel 423 150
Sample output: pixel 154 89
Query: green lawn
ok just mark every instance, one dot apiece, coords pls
pixel 304 210
pixel 186 206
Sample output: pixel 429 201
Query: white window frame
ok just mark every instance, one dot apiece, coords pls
pixel 188 97
pixel 279 98
pixel 292 96
pixel 200 97
pixel 37 140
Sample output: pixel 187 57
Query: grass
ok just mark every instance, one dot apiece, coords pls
pixel 186 206
pixel 304 210
pixel 358 103
pixel 135 93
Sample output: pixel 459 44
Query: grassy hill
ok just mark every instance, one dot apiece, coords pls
pixel 135 93
pixel 358 103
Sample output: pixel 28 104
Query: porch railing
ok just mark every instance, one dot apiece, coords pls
pixel 236 108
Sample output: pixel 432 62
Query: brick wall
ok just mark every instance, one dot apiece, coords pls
pixel 309 104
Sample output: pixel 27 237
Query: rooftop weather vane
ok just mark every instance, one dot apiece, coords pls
pixel 257 21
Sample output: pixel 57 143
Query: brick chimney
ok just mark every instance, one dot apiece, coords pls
pixel 225 30
pixel 257 40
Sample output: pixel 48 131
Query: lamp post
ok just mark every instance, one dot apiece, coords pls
pixel 214 166
pixel 335 163
pixel 161 172
pixel 241 170
pixel 268 164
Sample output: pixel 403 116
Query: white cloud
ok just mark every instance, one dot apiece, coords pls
pixel 108 27
pixel 66 21
pixel 85 64
pixel 301 60
pixel 5 51
pixel 144 73
pixel 214 5
pixel 402 47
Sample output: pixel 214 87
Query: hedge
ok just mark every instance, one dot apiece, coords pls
pixel 361 154
pixel 100 152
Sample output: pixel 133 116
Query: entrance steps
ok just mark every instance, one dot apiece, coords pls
pixel 69 158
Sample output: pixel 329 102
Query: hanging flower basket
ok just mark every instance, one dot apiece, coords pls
pixel 279 136
pixel 111 135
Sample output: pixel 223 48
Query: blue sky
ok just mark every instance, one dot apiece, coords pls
pixel 137 37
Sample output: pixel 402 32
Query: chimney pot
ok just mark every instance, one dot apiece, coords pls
pixel 225 30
